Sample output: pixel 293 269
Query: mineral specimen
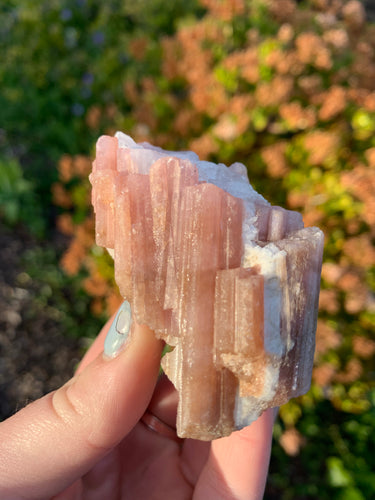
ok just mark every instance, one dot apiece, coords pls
pixel 226 279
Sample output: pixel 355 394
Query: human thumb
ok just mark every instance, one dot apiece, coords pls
pixel 58 438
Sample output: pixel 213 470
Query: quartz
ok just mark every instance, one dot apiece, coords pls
pixel 228 281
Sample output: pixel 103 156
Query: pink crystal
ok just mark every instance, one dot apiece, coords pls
pixel 227 280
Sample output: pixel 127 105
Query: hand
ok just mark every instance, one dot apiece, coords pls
pixel 87 440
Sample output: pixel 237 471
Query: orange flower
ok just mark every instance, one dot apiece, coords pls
pixel 246 62
pixel 275 92
pixel 65 224
pixel 82 166
pixel 65 168
pixel 349 280
pixel 360 250
pixel 337 37
pixel 93 117
pixel 73 258
pixel 312 216
pixel 289 64
pixel 204 146
pixel 274 158
pixel 95 285
pixel 358 96
pixel 224 9
pixel 209 97
pixel 357 300
pixel 84 236
pixel 131 91
pixel 354 14
pixel 332 272
pixel 291 441
pixel 312 50
pixel 297 117
pixel 321 145
pixel 307 45
pixel 137 48
pixel 357 295
pixel 226 128
pixel 187 121
pixel 361 183
pixel 311 84
pixel 326 338
pixel 353 371
pixel 334 102
pixel 282 10
pixel 96 306
pixel 365 348
pixel 328 301
pixel 370 157
pixel 324 374
pixel 369 102
pixel 60 196
pixel 296 199
pixel 285 33
pixel 111 111
pixel 144 114
pixel 240 106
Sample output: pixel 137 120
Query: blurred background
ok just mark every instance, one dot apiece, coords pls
pixel 287 88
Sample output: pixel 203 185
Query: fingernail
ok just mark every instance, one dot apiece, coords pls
pixel 118 332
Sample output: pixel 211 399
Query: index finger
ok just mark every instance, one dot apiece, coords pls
pixel 237 465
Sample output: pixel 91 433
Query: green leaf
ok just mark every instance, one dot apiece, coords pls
pixel 351 494
pixel 337 474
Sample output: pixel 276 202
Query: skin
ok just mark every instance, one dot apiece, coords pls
pixel 86 441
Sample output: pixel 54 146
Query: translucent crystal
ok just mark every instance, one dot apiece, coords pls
pixel 228 281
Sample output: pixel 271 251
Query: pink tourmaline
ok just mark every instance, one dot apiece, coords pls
pixel 229 281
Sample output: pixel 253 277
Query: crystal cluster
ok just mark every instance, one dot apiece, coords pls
pixel 230 282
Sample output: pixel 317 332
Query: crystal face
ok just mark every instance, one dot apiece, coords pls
pixel 229 281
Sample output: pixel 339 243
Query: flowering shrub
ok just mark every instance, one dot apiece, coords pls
pixel 288 89
pixel 72 193
pixel 63 69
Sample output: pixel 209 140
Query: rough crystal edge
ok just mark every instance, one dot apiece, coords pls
pixel 233 179
pixel 268 257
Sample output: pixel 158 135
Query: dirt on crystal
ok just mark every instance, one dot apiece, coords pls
pixel 35 357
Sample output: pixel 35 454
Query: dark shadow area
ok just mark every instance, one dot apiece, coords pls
pixel 35 357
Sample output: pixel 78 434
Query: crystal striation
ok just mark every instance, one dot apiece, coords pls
pixel 230 282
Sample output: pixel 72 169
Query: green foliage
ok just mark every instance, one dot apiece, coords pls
pixel 61 58
pixel 62 296
pixel 363 124
pixel 335 460
pixel 18 201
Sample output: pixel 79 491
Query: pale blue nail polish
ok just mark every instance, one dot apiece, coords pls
pixel 118 332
